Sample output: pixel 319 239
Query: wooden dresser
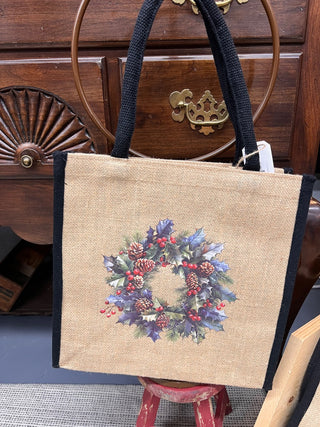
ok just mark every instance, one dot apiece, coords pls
pixel 40 110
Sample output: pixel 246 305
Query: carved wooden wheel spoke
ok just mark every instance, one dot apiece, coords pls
pixel 34 123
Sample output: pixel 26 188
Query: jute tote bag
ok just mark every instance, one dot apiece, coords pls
pixel 175 269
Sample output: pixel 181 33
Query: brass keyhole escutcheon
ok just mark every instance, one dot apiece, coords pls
pixel 223 4
pixel 26 161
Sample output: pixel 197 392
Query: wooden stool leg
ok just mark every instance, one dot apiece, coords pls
pixel 148 410
pixel 223 406
pixel 203 412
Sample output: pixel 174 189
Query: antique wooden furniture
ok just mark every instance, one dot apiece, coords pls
pixel 180 392
pixel 40 110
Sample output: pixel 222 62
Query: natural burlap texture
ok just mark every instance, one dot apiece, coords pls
pixel 250 214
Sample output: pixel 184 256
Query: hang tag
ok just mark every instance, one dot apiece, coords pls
pixel 265 157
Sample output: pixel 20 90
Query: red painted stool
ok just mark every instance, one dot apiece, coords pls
pixel 200 395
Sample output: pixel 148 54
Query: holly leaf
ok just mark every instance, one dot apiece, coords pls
pixel 210 251
pixel 173 254
pixel 147 293
pixel 153 331
pixel 117 283
pixel 196 239
pixel 188 326
pixel 223 293
pixel 124 263
pixel 175 316
pixel 150 233
pixel 128 318
pixel 220 266
pixel 212 314
pixel 122 300
pixel 164 228
pixel 108 262
pixel 152 252
pixel 150 317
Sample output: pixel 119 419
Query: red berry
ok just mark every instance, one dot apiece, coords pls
pixel 173 240
pixel 222 304
pixel 159 240
pixel 121 253
pixel 120 308
pixel 194 266
pixel 194 292
pixel 160 308
pixel 128 288
pixel 189 293
pixel 130 277
pixel 162 244
pixel 199 288
pixel 204 305
pixel 208 300
pixel 141 273
pixel 128 273
pixel 102 310
pixel 184 263
pixel 193 317
pixel 218 307
pixel 133 288
pixel 209 304
pixel 198 318
pixel 164 264
pixel 164 239
pixel 113 312
pixel 118 292
pixel 136 271
pixel 106 301
pixel 108 314
pixel 150 245
pixel 161 259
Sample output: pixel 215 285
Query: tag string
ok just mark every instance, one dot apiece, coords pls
pixel 247 156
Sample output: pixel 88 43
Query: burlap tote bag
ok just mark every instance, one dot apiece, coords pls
pixel 175 269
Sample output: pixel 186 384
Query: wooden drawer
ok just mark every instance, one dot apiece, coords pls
pixel 158 134
pixel 50 24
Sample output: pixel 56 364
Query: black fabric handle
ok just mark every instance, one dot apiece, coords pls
pixel 229 71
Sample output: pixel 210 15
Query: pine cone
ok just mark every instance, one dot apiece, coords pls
pixel 162 321
pixel 205 269
pixel 192 281
pixel 135 251
pixel 143 304
pixel 138 282
pixel 145 265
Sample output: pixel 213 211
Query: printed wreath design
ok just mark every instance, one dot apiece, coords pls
pixel 200 303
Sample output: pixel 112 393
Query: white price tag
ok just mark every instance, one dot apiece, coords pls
pixel 265 156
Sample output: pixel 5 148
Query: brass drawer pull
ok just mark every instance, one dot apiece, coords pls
pixel 223 4
pixel 26 161
pixel 203 116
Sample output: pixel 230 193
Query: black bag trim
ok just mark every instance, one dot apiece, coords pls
pixel 298 233
pixel 60 161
